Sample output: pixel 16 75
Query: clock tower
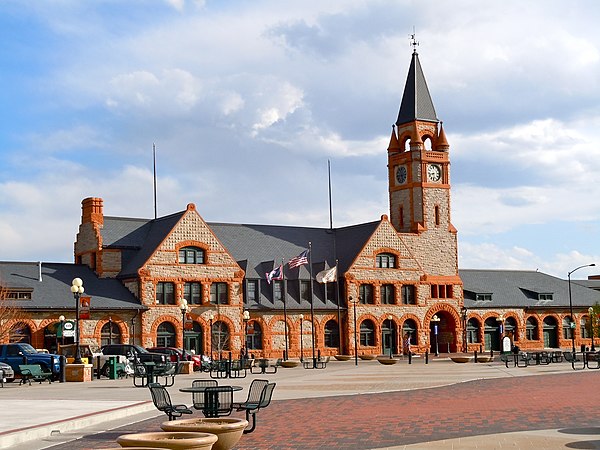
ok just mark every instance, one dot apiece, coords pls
pixel 418 164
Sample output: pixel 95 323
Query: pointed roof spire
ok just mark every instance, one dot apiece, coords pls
pixel 416 102
pixel 442 142
pixel 394 145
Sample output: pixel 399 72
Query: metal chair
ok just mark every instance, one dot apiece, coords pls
pixel 198 397
pixel 254 393
pixel 218 401
pixel 253 408
pixel 162 401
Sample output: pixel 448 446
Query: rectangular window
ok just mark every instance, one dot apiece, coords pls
pixel 330 291
pixel 387 294
pixel 278 291
pixel 442 291
pixel 192 292
pixel 483 297
pixel 18 295
pixel 219 293
pixel 251 291
pixel 437 215
pixel 385 261
pixel 165 293
pixel 408 294
pixel 305 290
pixel 434 291
pixel 366 294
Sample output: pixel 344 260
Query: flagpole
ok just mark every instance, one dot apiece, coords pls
pixel 285 335
pixel 330 210
pixel 312 309
pixel 154 164
pixel 339 312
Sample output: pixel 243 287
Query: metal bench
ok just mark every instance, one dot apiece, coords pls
pixel 33 372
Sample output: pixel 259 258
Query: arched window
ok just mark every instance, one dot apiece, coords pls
pixel 20 333
pixel 220 337
pixel 385 261
pixel 191 255
pixel 473 331
pixel 332 335
pixel 165 335
pixel 510 328
pixel 409 327
pixel 110 334
pixel 367 333
pixel 254 336
pixel 585 327
pixel 567 331
pixel 531 329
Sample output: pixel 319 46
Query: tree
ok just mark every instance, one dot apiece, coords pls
pixel 10 314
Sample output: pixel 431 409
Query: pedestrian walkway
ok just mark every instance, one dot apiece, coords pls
pixel 369 406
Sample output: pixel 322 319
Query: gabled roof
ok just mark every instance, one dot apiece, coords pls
pixel 416 102
pixel 520 289
pixel 54 289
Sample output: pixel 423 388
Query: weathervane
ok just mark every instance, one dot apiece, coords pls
pixel 414 43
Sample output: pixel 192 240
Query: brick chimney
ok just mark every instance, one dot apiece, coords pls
pixel 91 211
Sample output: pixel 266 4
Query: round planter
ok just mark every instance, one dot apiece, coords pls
pixel 461 359
pixel 289 364
pixel 387 361
pixel 367 357
pixel 485 359
pixel 228 430
pixel 342 357
pixel 169 440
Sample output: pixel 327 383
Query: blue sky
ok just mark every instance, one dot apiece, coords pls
pixel 246 102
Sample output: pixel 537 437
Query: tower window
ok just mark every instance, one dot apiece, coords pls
pixel 437 215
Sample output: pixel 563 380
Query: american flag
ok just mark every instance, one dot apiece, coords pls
pixel 275 274
pixel 299 260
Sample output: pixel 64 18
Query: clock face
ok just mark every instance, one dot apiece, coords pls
pixel 401 174
pixel 434 172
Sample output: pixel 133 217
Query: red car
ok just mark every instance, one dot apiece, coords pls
pixel 176 355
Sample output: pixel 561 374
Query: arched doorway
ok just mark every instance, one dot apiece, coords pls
pixel 165 335
pixel 110 333
pixel 442 333
pixel 550 332
pixel 409 335
pixel 332 336
pixel 388 337
pixel 220 338
pixel 193 339
pixel 50 337
pixel 491 334
pixel 20 333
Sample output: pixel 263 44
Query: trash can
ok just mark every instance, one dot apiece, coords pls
pixel 112 367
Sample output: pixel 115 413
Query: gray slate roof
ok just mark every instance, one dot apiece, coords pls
pixel 54 291
pixel 520 289
pixel 416 102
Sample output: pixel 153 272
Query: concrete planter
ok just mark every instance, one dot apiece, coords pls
pixel 289 364
pixel 386 360
pixel 460 359
pixel 228 430
pixel 342 357
pixel 367 357
pixel 485 359
pixel 169 440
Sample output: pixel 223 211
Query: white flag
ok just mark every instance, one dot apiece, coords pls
pixel 327 275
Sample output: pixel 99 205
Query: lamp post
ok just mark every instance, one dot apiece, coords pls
pixel 354 301
pixel 77 289
pixel 591 311
pixel 62 329
pixel 245 318
pixel 571 306
pixel 110 330
pixel 390 318
pixel 301 330
pixel 463 314
pixel 184 310
pixel 211 316
pixel 436 320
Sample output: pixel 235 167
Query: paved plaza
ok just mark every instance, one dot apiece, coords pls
pixel 440 405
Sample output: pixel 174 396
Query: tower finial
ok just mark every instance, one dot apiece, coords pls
pixel 414 43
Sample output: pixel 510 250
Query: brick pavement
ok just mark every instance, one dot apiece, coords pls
pixel 366 421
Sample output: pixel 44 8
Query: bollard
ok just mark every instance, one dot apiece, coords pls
pixel 491 353
pixel 475 352
pixel 410 357
pixel 98 367
pixel 480 349
pixel 426 357
pixel 448 347
pixel 62 376
pixel 318 354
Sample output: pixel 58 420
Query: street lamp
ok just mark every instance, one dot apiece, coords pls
pixel 591 311
pixel 110 330
pixel 436 320
pixel 245 318
pixel 62 329
pixel 77 290
pixel 354 301
pixel 390 318
pixel 211 316
pixel 301 330
pixel 571 306
pixel 463 313
pixel 184 310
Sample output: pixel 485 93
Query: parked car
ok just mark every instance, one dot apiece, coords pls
pixel 134 353
pixel 7 373
pixel 18 353
pixel 94 357
pixel 175 355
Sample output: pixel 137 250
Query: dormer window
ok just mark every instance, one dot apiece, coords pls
pixel 483 297
pixel 191 255
pixel 19 295
pixel 385 261
pixel 545 296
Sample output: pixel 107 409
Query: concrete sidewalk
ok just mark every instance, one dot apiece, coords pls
pixel 41 416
